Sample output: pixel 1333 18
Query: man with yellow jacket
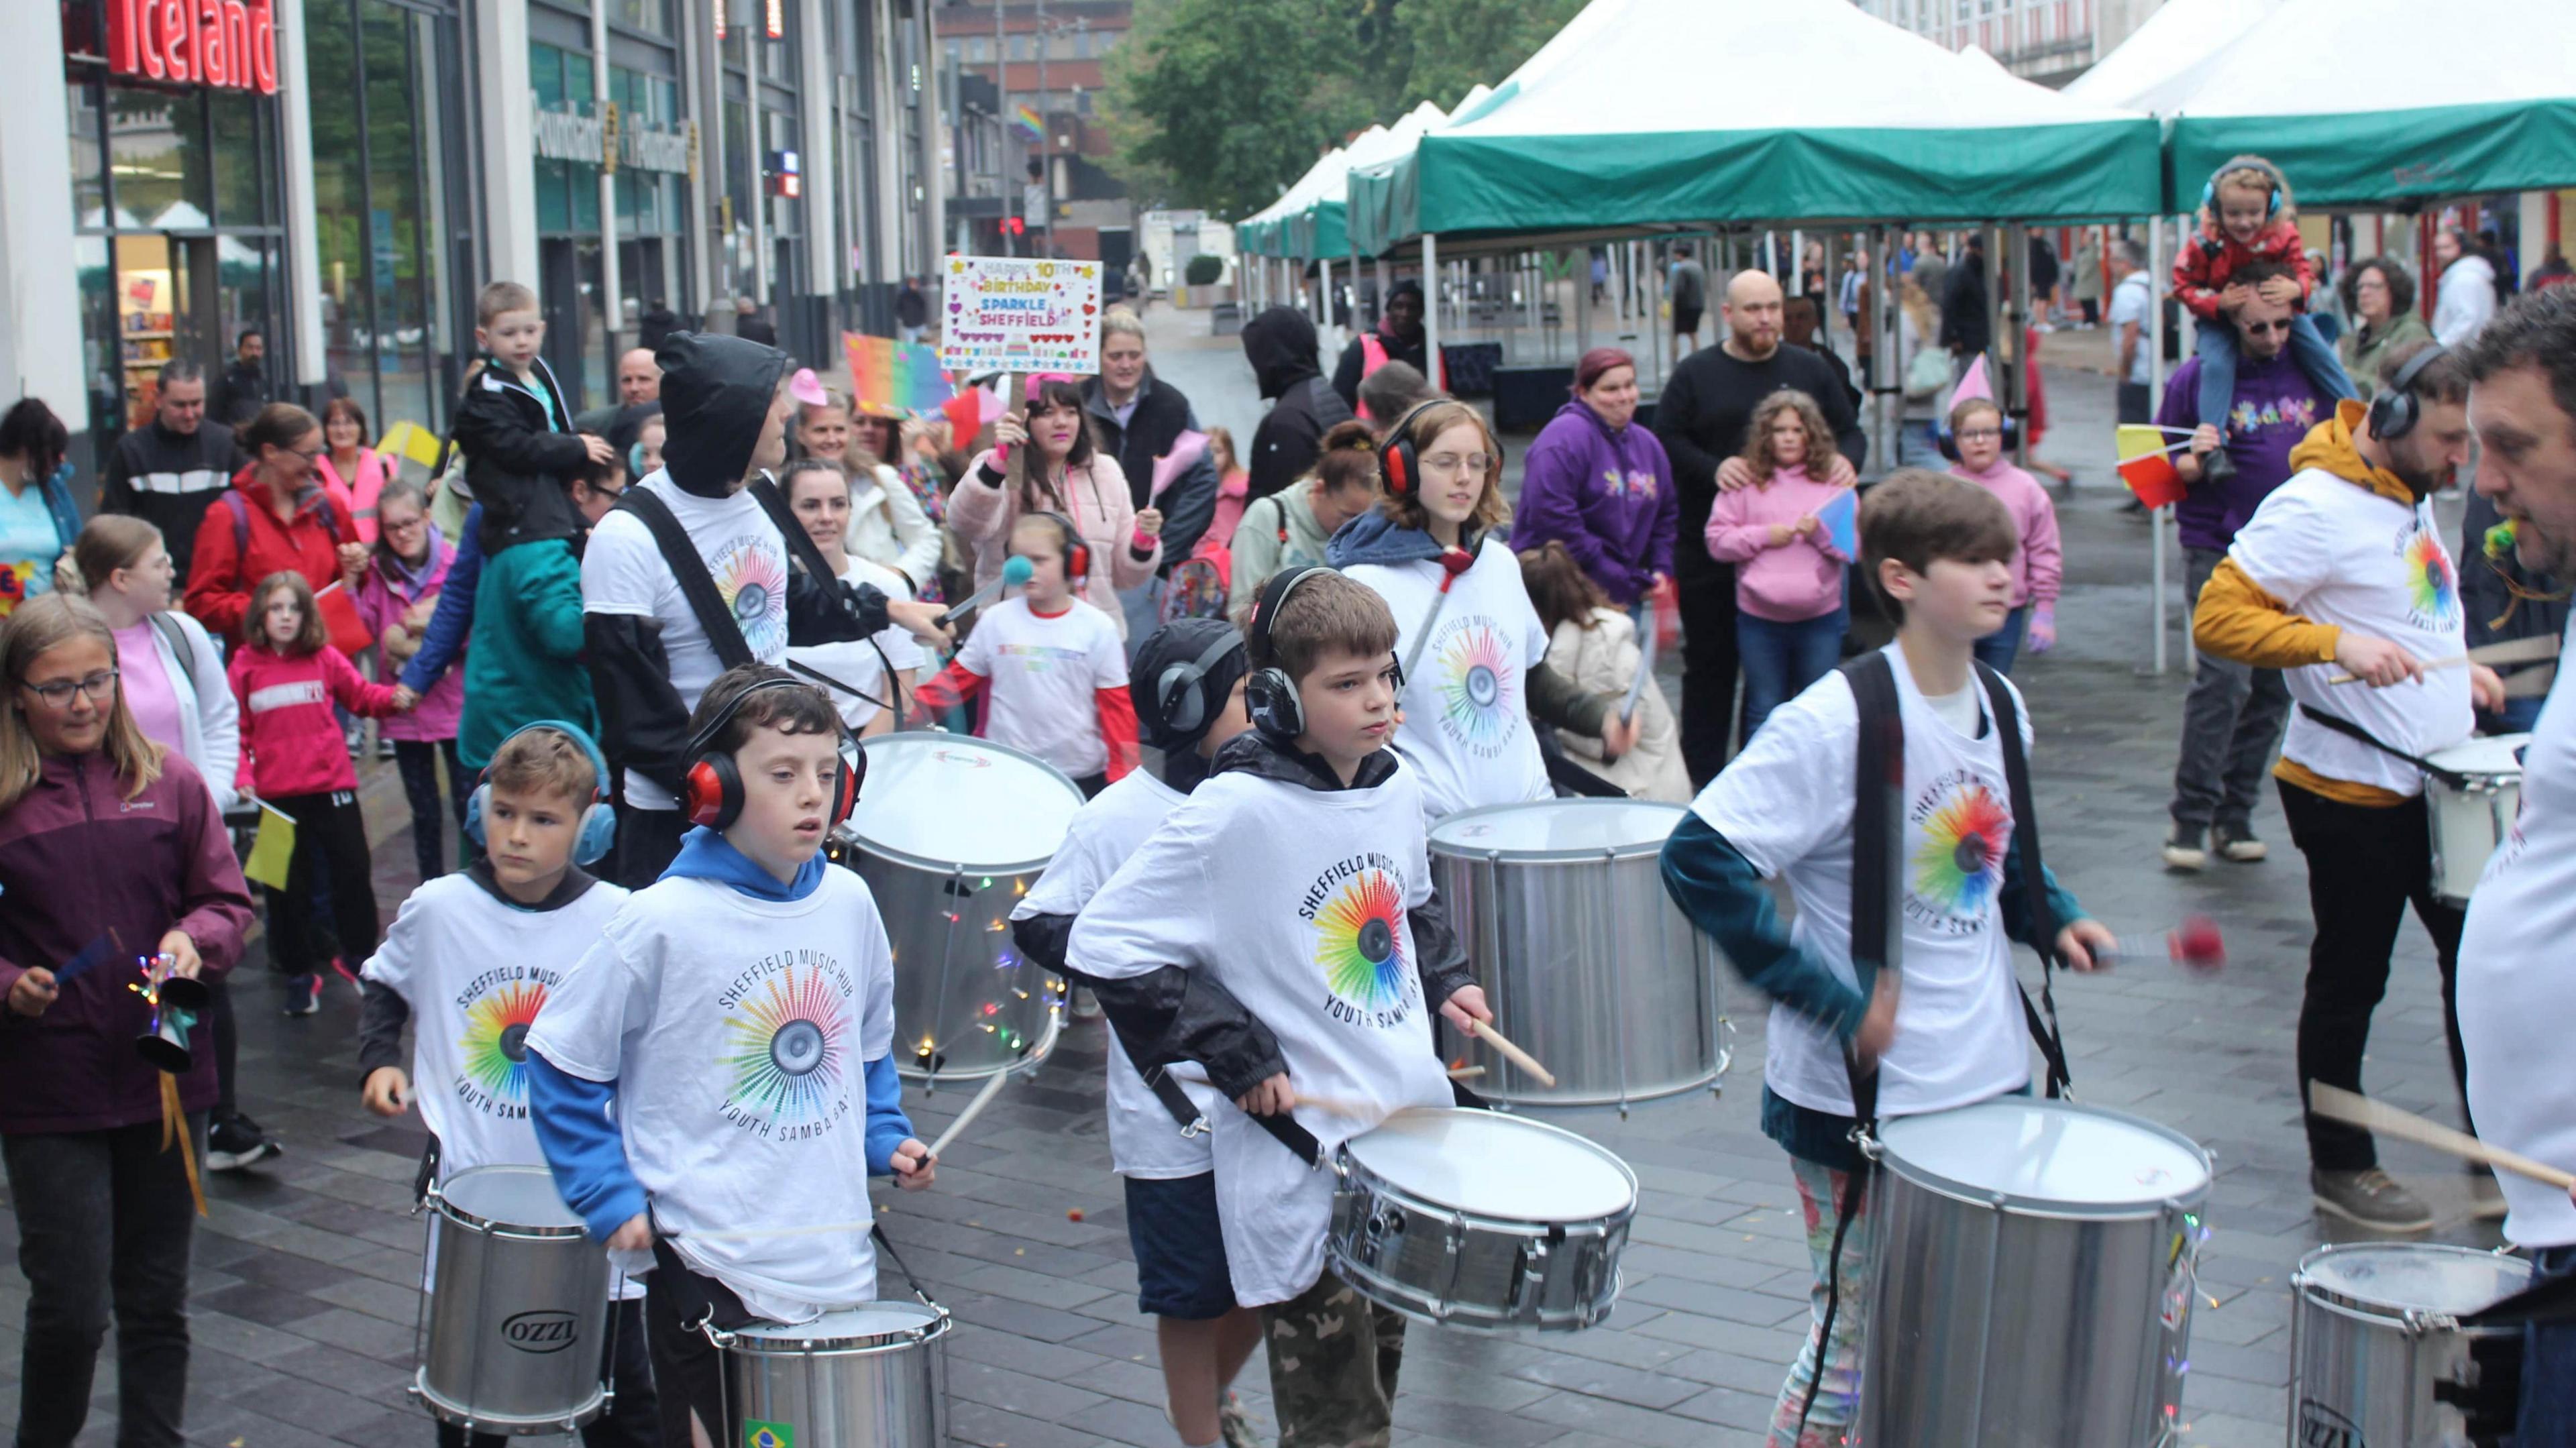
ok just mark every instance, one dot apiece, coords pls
pixel 2342 571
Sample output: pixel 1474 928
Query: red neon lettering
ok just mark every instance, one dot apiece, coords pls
pixel 214 52
pixel 121 55
pixel 178 38
pixel 263 46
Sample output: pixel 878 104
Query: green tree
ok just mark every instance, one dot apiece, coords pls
pixel 1454 45
pixel 1218 104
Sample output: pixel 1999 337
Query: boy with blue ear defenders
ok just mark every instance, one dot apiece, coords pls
pixel 475 954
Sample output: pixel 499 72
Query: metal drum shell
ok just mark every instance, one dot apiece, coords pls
pixel 2012 1322
pixel 944 969
pixel 2468 824
pixel 887 1390
pixel 2364 1368
pixel 517 1319
pixel 1586 962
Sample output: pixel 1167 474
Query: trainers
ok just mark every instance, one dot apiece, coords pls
pixel 234 1142
pixel 2237 843
pixel 303 994
pixel 2184 848
pixel 1234 1425
pixel 2371 1198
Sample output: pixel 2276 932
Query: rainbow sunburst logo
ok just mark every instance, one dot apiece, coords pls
pixel 754 585
pixel 2431 585
pixel 495 1044
pixel 1476 685
pixel 786 1052
pixel 1359 941
pixel 1961 860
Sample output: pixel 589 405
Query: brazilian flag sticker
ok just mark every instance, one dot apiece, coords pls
pixel 756 1434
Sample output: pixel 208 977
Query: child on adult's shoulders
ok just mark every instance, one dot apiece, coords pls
pixel 515 428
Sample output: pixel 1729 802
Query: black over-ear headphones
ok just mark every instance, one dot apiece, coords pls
pixel 1270 696
pixel 1948 441
pixel 2393 410
pixel 715 781
pixel 1399 463
pixel 1077 554
pixel 1180 695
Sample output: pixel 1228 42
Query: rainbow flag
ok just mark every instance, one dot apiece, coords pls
pixel 1030 123
pixel 895 379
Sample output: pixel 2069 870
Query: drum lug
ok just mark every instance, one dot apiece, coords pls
pixel 1529 1283
pixel 2421 1323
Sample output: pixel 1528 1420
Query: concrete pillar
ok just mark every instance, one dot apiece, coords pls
pixel 509 140
pixel 823 259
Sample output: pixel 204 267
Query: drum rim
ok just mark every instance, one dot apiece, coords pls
pixel 1640 850
pixel 1353 1167
pixel 2482 743
pixel 447 1207
pixel 2309 1289
pixel 2030 1206
pixel 747 1343
pixel 907 738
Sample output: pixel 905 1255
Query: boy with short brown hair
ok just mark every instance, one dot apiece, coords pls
pixel 515 426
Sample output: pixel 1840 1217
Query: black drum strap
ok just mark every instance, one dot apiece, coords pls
pixel 2041 1018
pixel 1175 1100
pixel 876 1233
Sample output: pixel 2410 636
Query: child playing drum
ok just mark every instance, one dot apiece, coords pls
pixel 1939 550
pixel 1280 928
pixel 750 953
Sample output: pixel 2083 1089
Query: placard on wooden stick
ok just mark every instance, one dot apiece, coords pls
pixel 1020 314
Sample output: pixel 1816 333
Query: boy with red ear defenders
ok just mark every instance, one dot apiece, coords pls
pixel 714 1081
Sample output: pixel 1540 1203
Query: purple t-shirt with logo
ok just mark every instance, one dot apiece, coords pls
pixel 2275 407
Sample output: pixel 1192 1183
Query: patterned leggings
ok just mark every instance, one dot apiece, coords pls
pixel 1820 1197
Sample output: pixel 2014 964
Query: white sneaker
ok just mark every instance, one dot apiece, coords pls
pixel 2184 849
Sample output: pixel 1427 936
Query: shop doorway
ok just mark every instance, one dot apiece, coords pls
pixel 576 344
pixel 180 296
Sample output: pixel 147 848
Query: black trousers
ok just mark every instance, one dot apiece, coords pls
pixel 331 837
pixel 104 1225
pixel 647 841
pixel 1708 667
pixel 418 761
pixel 633 1419
pixel 2365 865
pixel 688 1372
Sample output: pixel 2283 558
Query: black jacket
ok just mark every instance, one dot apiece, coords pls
pixel 169 479
pixel 1176 1014
pixel 518 449
pixel 1280 344
pixel 1966 329
pixel 1162 414
pixel 239 394
pixel 1353 368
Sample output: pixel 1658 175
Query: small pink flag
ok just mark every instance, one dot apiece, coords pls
pixel 1187 449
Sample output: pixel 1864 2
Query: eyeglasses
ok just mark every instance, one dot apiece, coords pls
pixel 1452 463
pixel 1981 434
pixel 2265 329
pixel 57 694
pixel 407 524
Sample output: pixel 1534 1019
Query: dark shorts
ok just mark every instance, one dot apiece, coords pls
pixel 1180 1254
pixel 1686 320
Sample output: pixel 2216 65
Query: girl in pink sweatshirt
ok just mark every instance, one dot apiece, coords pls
pixel 285 678
pixel 1789 606
pixel 1978 426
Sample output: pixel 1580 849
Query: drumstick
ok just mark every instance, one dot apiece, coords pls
pixel 1514 1054
pixel 2353 1109
pixel 2453 662
pixel 1466 1073
pixel 983 1098
pixel 1338 1105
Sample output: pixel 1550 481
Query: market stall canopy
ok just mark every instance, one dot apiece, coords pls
pixel 1645 113
pixel 2164 59
pixel 2365 102
pixel 1264 232
pixel 1320 230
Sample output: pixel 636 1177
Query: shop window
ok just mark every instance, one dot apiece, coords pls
pixel 157 151
pixel 89 156
pixel 240 199
pixel 647 15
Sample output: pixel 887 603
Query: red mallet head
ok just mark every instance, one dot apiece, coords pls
pixel 1073 1214
pixel 2196 945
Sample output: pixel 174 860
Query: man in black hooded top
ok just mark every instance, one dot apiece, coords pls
pixel 1280 344
pixel 725 411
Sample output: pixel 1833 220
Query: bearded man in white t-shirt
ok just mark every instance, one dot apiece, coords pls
pixel 2342 574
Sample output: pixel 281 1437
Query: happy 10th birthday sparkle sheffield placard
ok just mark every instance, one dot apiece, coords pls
pixel 1019 314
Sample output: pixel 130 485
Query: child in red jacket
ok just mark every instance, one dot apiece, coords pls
pixel 286 678
pixel 2246 217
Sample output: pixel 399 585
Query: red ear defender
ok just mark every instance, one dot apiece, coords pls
pixel 714 796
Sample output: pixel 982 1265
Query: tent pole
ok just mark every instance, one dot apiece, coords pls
pixel 1431 310
pixel 2023 363
pixel 2163 519
pixel 1878 284
pixel 1583 304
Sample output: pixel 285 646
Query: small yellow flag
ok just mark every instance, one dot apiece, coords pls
pixel 2136 441
pixel 272 849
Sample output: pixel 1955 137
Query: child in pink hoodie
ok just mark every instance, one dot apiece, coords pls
pixel 1978 426
pixel 1789 607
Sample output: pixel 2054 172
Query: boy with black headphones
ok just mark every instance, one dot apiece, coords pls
pixel 1053 666
pixel 1280 929
pixel 1189 698
pixel 2342 571
pixel 714 1081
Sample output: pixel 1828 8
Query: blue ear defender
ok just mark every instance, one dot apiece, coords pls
pixel 598 820
pixel 2209 188
pixel 635 462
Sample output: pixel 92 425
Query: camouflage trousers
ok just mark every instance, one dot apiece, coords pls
pixel 1333 1360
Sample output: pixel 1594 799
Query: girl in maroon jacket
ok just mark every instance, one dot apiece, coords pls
pixel 110 852
pixel 286 678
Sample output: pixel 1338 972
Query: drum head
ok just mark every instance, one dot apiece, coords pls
pixel 1575 828
pixel 871 1324
pixel 2424 1276
pixel 947 799
pixel 2491 755
pixel 1496 1166
pixel 2048 1153
pixel 516 1198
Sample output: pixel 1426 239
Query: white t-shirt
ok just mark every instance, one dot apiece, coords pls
pixel 1297 901
pixel 737 1030
pixel 1466 700
pixel 2129 303
pixel 1144 1141
pixel 622 572
pixel 2334 552
pixel 854 662
pixel 1786 804
pixel 1043 671
pixel 2517 987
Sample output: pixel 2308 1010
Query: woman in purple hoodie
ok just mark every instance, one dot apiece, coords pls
pixel 1601 485
pixel 110 852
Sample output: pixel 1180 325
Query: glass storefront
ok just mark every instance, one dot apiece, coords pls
pixel 652 228
pixel 570 279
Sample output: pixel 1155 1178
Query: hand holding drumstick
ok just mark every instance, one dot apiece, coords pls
pixel 1466 1009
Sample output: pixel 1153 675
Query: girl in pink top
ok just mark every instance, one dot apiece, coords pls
pixel 395 599
pixel 1789 606
pixel 1978 426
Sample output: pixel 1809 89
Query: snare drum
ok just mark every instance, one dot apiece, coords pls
pixel 2469 823
pixel 1584 957
pixel 1472 1219
pixel 869 1377
pixel 517 1307
pixel 2031 1279
pixel 2377 1354
pixel 949 834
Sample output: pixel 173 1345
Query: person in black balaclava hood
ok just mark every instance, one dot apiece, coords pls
pixel 1397 337
pixel 725 410
pixel 1280 345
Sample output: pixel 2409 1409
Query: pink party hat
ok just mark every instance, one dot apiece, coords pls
pixel 1973 384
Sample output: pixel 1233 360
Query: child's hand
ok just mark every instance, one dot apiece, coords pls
pixel 2279 291
pixel 1149 522
pixel 353 562
pixel 2234 295
pixel 1008 432
pixel 913 1168
pixel 387 1091
pixel 1804 526
pixel 1465 1006
pixel 922 621
pixel 2087 945
pixel 1878 1028
pixel 635 1236
pixel 1618 735
pixel 1780 535
pixel 1273 1097
pixel 182 951
pixel 404 699
pixel 601 453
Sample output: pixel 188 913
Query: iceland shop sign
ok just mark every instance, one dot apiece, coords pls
pixel 228 43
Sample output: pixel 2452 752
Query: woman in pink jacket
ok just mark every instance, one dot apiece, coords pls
pixel 1061 473
pixel 396 598
pixel 1789 607
pixel 1977 425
